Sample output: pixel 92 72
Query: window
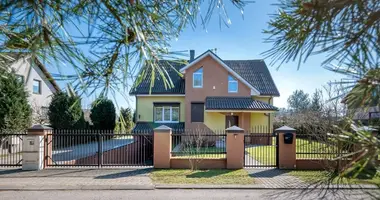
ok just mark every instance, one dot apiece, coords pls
pixel 20 78
pixel 166 114
pixel 197 112
pixel 198 78
pixel 36 87
pixel 232 84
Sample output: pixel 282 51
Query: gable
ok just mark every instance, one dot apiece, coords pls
pixel 209 53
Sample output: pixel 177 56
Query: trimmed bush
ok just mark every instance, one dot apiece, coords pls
pixel 65 112
pixel 15 111
pixel 103 114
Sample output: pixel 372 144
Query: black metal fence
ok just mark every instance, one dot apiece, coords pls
pixel 98 148
pixel 11 148
pixel 199 144
pixel 320 146
pixel 261 150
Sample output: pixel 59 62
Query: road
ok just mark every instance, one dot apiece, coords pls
pixel 184 194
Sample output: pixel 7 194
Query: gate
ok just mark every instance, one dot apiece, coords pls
pixel 11 148
pixel 92 148
pixel 261 150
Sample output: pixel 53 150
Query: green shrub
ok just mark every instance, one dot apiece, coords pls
pixel 103 114
pixel 65 112
pixel 15 111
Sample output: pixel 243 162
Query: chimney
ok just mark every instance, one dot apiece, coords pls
pixel 192 54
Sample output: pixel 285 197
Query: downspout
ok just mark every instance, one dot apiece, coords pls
pixel 269 114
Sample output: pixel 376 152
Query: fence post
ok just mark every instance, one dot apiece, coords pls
pixel 100 150
pixel 235 147
pixel 162 147
pixel 34 153
pixel 286 152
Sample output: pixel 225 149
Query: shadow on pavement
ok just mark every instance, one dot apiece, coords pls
pixel 265 173
pixel 124 174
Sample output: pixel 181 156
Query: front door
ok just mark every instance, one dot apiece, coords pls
pixel 232 121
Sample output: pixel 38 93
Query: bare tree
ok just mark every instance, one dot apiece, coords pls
pixel 40 114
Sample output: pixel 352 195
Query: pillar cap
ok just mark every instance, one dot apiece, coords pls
pixel 285 129
pixel 37 127
pixel 163 128
pixel 235 129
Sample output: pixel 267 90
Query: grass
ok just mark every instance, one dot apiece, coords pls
pixel 215 176
pixel 202 152
pixel 323 176
pixel 267 154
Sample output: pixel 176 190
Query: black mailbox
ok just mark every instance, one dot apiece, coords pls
pixel 288 138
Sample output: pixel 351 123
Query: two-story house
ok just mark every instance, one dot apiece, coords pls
pixel 37 80
pixel 211 94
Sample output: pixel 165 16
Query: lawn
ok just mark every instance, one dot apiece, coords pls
pixel 267 154
pixel 202 152
pixel 215 176
pixel 373 177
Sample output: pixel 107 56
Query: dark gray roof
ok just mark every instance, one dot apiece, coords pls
pixel 236 103
pixel 159 86
pixel 147 127
pixel 255 72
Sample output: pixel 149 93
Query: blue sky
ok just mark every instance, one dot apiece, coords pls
pixel 244 40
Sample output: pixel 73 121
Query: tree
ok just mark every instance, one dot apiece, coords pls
pixel 103 114
pixel 316 101
pixel 15 111
pixel 348 32
pixel 123 36
pixel 299 101
pixel 125 122
pixel 65 112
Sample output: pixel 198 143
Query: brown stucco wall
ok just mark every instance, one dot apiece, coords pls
pixel 182 163
pixel 213 75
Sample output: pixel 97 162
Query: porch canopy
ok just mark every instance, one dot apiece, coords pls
pixel 237 104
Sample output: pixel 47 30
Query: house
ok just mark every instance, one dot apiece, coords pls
pixel 37 80
pixel 208 93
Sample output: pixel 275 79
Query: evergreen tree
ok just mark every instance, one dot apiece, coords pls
pixel 103 114
pixel 15 111
pixel 65 112
pixel 316 101
pixel 125 121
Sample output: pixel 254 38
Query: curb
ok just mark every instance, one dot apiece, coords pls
pixel 260 188
pixel 174 187
pixel 75 187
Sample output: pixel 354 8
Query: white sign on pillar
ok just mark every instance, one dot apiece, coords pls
pixel 33 152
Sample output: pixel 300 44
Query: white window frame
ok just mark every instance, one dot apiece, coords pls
pixel 198 73
pixel 232 81
pixel 163 114
pixel 39 86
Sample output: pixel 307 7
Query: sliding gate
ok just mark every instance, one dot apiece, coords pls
pixel 91 148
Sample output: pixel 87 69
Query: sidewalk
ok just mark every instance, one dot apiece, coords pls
pixel 76 179
pixel 138 179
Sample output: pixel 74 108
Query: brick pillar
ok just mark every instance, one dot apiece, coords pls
pixel 162 147
pixel 286 152
pixel 34 151
pixel 235 148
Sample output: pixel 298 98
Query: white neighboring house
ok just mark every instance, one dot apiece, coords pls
pixel 38 82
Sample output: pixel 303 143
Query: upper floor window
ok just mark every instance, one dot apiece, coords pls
pixel 232 84
pixel 198 78
pixel 36 87
pixel 20 78
pixel 166 114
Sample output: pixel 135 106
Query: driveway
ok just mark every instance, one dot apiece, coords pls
pixel 85 150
